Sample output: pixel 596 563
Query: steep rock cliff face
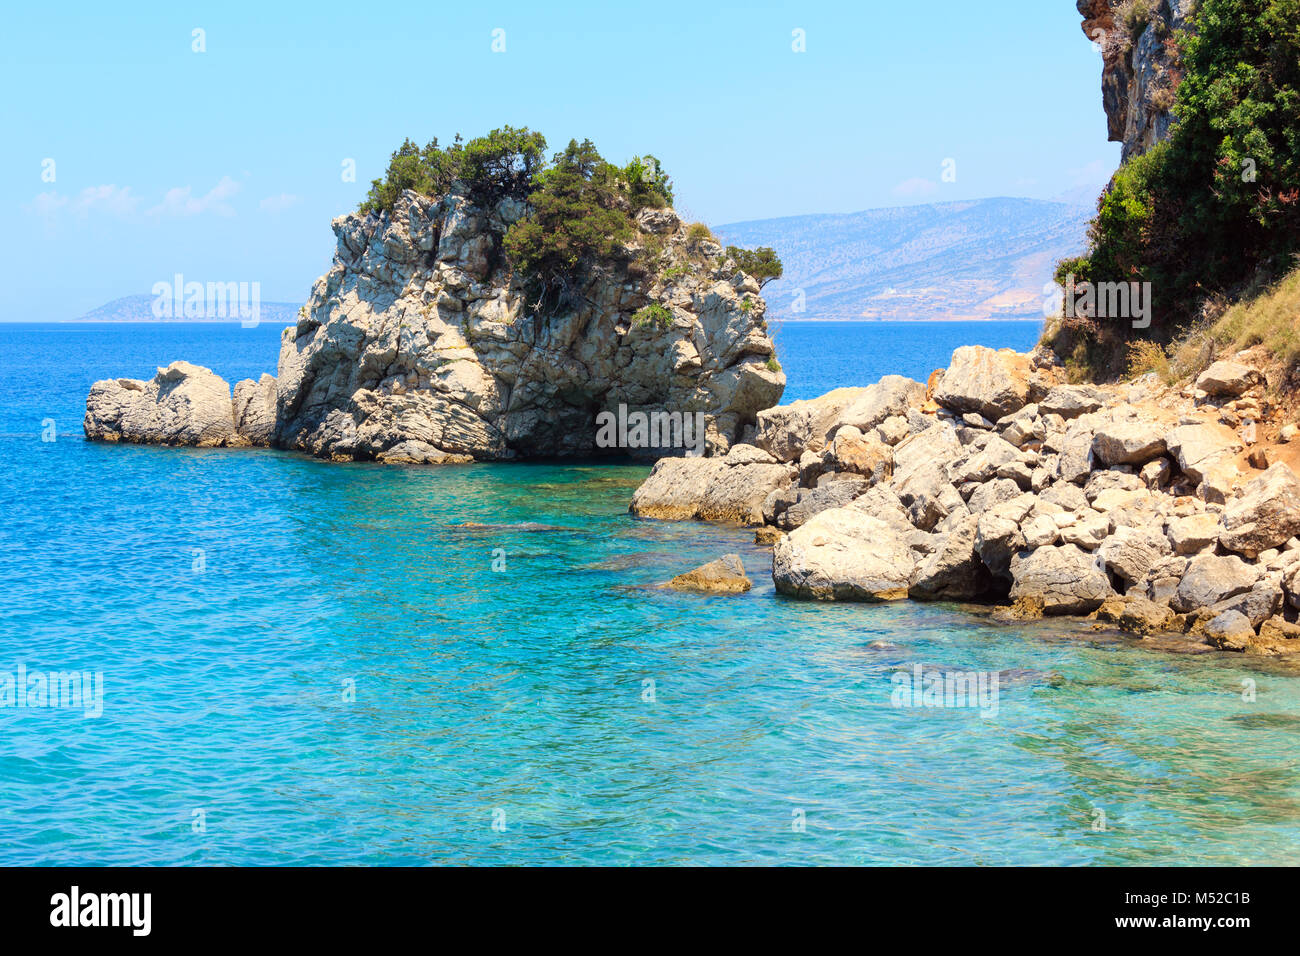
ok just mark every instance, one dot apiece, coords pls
pixel 1138 73
pixel 420 345
pixel 417 333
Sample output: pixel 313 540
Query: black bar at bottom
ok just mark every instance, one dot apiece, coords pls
pixel 333 906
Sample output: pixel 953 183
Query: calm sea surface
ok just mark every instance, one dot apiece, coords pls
pixel 315 663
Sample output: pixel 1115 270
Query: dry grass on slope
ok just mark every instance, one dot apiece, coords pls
pixel 1271 320
pixel 1267 325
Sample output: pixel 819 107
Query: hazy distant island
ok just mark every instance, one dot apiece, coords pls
pixel 139 308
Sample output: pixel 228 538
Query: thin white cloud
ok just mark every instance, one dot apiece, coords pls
pixel 47 205
pixel 277 203
pixel 114 200
pixel 109 200
pixel 916 186
pixel 181 201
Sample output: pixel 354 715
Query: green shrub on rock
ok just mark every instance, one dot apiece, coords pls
pixel 577 220
pixel 647 184
pixel 502 163
pixel 699 232
pixel 762 263
pixel 653 315
pixel 429 171
pixel 581 214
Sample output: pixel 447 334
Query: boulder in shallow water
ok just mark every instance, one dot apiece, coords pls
pixel 709 489
pixel 182 404
pixel 1229 631
pixel 843 555
pixel 1137 615
pixel 1064 578
pixel 253 406
pixel 726 575
pixel 954 572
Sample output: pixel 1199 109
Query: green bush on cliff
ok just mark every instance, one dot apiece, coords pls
pixel 429 171
pixel 762 263
pixel 502 163
pixel 699 232
pixel 647 184
pixel 653 314
pixel 579 217
pixel 1215 208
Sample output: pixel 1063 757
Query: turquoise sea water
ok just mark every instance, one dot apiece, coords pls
pixel 523 696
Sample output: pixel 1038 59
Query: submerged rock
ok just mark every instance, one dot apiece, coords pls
pixel 419 453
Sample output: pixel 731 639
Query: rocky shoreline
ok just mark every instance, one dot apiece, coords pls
pixel 1165 512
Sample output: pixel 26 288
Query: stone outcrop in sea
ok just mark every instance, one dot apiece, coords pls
pixel 419 346
pixel 1157 509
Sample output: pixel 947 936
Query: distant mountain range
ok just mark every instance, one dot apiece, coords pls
pixel 982 259
pixel 139 308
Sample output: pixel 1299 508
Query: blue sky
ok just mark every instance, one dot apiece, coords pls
pixel 226 165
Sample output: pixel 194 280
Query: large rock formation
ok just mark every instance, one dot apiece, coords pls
pixel 1138 77
pixel 419 344
pixel 183 404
